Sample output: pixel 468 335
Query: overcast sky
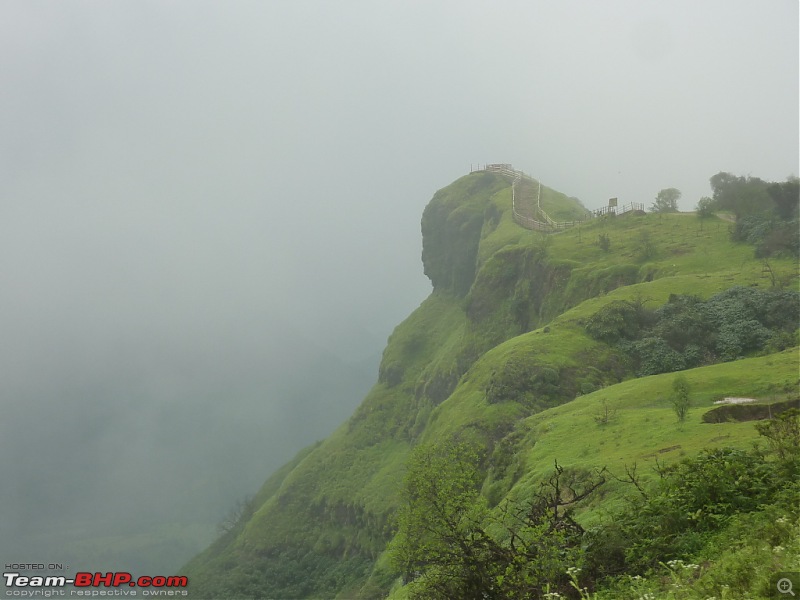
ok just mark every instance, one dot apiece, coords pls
pixel 186 185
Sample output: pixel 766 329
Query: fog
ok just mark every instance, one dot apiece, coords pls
pixel 209 215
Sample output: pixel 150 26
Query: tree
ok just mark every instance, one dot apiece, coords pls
pixel 680 397
pixel 439 518
pixel 786 198
pixel 450 545
pixel 783 433
pixel 705 207
pixel 239 513
pixel 741 195
pixel 666 201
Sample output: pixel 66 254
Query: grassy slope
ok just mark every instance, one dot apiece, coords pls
pixel 559 207
pixel 644 427
pixel 336 500
pixel 327 515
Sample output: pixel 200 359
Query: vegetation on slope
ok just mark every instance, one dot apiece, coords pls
pixel 450 544
pixel 499 358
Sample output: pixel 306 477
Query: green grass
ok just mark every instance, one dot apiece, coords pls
pixel 645 427
pixel 680 246
pixel 503 231
pixel 326 517
pixel 560 207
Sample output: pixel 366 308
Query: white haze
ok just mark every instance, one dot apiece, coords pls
pixel 209 211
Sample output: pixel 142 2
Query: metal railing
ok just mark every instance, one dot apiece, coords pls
pixel 547 224
pixel 626 208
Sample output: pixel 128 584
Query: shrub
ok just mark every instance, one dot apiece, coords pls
pixel 692 499
pixel 615 321
pixel 645 248
pixel 390 373
pixel 783 433
pixel 653 355
pixel 524 382
pixel 513 382
pixel 687 332
pixel 604 414
pixel 449 545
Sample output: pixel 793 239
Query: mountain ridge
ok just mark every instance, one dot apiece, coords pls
pixel 499 344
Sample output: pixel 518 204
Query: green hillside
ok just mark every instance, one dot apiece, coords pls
pixel 524 353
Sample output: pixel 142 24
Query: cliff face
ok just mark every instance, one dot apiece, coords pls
pixel 451 230
pixel 319 526
pixel 498 343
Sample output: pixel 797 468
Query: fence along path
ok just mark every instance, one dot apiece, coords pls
pixel 526 195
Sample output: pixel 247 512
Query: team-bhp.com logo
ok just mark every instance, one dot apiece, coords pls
pixel 89 582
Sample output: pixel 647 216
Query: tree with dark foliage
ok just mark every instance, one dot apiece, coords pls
pixel 450 545
pixel 666 201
